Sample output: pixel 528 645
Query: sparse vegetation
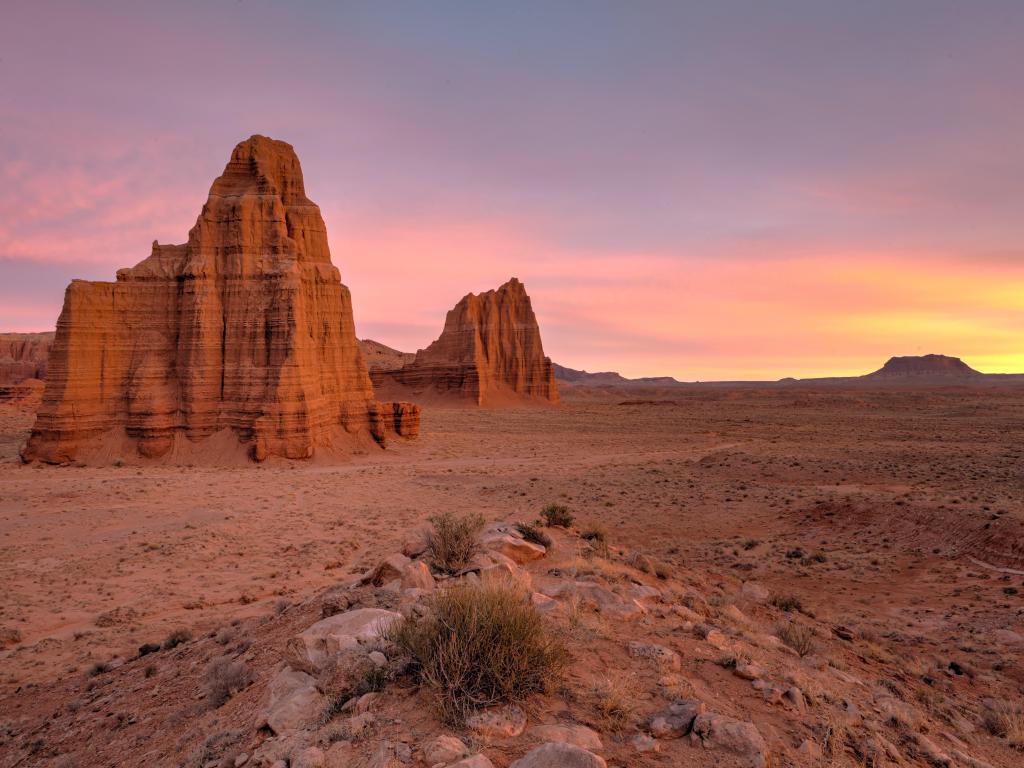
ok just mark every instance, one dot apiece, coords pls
pixel 615 702
pixel 797 637
pixel 1003 719
pixel 597 535
pixel 533 533
pixel 147 648
pixel 480 645
pixel 454 540
pixel 99 668
pixel 176 638
pixel 224 678
pixel 816 557
pixel 557 516
pixel 788 603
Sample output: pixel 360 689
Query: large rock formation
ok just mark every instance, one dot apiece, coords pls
pixel 244 332
pixel 23 356
pixel 489 353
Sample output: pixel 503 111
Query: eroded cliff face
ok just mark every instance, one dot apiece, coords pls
pixel 489 352
pixel 23 356
pixel 244 332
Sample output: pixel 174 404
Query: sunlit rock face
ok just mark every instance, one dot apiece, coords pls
pixel 489 352
pixel 240 340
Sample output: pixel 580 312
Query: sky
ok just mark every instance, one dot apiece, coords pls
pixel 726 190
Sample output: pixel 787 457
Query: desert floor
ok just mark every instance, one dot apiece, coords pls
pixel 913 501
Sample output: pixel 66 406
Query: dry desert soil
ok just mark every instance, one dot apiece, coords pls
pixel 893 519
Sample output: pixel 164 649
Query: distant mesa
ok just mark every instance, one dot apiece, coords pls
pixel 489 353
pixel 238 342
pixel 608 378
pixel 925 366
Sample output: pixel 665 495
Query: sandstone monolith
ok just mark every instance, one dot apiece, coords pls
pixel 240 340
pixel 489 353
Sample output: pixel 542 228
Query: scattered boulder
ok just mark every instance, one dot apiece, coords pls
pixel 417 575
pixel 749 670
pixel 498 722
pixel 559 755
pixel 713 731
pixel 444 749
pixel 391 568
pixel 666 659
pixel 292 703
pixel 577 735
pixel 677 720
pixel 328 636
pixel 512 546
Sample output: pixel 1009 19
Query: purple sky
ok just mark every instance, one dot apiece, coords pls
pixel 713 190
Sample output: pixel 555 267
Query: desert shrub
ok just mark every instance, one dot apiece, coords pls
pixel 532 532
pixel 597 535
pixel 1004 720
pixel 147 648
pixel 797 637
pixel 176 638
pixel 557 516
pixel 454 540
pixel 224 678
pixel 816 557
pixel 788 603
pixel 615 704
pixel 480 645
pixel 662 569
pixel 640 561
pixel 99 668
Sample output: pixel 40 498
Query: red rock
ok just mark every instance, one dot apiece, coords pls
pixel 23 356
pixel 489 352
pixel 244 332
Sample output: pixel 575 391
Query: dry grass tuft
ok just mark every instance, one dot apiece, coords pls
pixel 597 535
pixel 226 677
pixel 480 645
pixel 454 540
pixel 615 701
pixel 557 516
pixel 1006 721
pixel 797 637
pixel 533 533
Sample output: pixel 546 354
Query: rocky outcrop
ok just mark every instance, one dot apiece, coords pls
pixel 23 356
pixel 380 356
pixel 245 332
pixel 489 353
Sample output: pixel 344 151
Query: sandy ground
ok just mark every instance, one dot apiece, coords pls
pixel 894 488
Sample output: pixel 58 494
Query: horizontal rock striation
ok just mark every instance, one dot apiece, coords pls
pixel 489 352
pixel 23 356
pixel 245 331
